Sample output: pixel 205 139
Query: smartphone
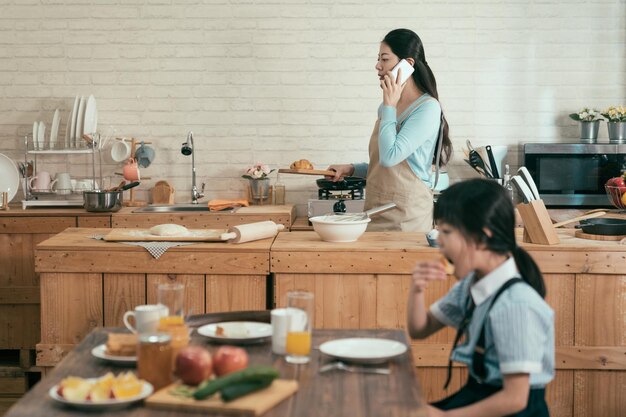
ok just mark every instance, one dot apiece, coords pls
pixel 407 70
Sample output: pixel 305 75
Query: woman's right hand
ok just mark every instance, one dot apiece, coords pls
pixel 341 170
pixel 426 272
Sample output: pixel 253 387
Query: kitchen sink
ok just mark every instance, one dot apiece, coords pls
pixel 176 208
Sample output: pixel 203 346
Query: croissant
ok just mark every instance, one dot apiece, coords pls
pixel 301 164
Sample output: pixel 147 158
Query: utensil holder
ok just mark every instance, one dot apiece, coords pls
pixel 538 226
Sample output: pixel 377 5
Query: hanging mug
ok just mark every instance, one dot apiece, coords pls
pixel 131 170
pixel 144 155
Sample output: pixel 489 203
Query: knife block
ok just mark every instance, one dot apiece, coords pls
pixel 537 224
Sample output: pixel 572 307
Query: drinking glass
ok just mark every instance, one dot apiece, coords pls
pixel 300 308
pixel 172 296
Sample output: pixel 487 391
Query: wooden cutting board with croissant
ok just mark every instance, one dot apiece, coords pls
pixel 304 166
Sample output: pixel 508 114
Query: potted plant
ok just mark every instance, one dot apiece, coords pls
pixel 616 122
pixel 259 181
pixel 589 123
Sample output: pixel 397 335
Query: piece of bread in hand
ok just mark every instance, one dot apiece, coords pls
pixel 122 344
pixel 301 164
pixel 447 266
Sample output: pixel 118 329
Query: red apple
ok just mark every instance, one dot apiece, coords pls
pixel 229 359
pixel 193 365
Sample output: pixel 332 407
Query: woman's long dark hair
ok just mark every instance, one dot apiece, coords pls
pixel 406 44
pixel 473 205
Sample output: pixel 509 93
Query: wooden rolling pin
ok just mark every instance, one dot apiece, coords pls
pixel 252 231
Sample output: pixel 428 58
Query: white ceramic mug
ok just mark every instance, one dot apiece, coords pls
pixel 64 183
pixel 146 317
pixel 42 182
pixel 120 150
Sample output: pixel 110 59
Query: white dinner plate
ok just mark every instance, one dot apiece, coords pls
pixel 100 352
pixel 9 176
pixel 54 130
pixel 80 120
pixel 112 404
pixel 241 332
pixel 72 122
pixel 91 116
pixel 35 133
pixel 41 135
pixel 363 349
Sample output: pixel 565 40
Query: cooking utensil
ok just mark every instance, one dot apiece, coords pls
pixel 579 218
pixel 482 152
pixel 102 201
pixel 480 171
pixel 477 161
pixel 523 188
pixel 346 183
pixel 351 368
pixel 604 226
pixel 332 230
pixel 492 163
pixel 348 217
pixel 525 174
pixel 129 186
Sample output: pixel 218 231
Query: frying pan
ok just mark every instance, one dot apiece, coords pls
pixel 604 227
pixel 325 184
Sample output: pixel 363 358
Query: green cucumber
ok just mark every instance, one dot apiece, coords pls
pixel 254 373
pixel 232 392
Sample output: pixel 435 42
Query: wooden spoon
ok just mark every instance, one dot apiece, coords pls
pixel 579 218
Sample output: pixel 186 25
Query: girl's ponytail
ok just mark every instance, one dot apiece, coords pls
pixel 529 270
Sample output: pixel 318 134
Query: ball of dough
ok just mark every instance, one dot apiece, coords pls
pixel 169 229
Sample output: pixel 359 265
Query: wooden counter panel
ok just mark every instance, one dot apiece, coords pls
pixel 121 293
pixel 71 308
pixel 599 393
pixel 175 260
pixel 35 225
pixel 235 293
pixel 601 310
pixel 560 295
pixel 94 221
pixel 560 394
pixel 193 302
pixel 580 262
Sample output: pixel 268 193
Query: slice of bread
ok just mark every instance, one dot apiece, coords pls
pixel 447 266
pixel 122 344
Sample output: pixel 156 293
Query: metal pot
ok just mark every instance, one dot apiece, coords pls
pixel 604 227
pixel 102 201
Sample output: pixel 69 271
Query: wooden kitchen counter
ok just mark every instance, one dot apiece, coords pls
pixel 130 217
pixel 88 283
pixel 364 285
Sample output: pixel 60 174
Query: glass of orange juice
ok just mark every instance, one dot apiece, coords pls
pixel 300 309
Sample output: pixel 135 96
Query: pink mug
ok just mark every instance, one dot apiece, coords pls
pixel 131 170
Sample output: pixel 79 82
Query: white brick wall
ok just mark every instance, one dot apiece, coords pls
pixel 280 80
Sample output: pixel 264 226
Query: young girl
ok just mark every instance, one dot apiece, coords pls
pixel 497 305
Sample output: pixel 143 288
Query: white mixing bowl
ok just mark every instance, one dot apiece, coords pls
pixel 331 228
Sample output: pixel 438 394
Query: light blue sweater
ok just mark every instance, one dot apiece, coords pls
pixel 415 140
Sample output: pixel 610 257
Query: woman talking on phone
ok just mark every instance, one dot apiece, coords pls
pixel 410 135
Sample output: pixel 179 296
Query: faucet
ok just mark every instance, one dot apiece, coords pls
pixel 187 149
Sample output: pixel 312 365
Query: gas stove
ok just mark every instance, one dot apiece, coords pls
pixel 320 207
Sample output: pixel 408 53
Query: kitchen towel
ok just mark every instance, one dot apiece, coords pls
pixel 217 205
pixel 156 249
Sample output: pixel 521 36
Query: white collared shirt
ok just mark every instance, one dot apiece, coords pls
pixel 519 328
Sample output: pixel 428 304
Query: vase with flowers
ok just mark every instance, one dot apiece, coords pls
pixel 589 124
pixel 258 181
pixel 616 122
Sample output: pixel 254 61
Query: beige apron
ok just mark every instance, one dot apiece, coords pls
pixel 400 185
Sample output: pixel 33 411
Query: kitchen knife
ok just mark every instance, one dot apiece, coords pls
pixel 525 174
pixel 492 162
pixel 522 187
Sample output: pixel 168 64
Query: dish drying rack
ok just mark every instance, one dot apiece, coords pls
pixel 50 198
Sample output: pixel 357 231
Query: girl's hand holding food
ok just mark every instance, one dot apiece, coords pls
pixel 426 272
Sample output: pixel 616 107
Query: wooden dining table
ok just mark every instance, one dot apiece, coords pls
pixel 328 394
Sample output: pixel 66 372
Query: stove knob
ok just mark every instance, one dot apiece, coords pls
pixel 339 207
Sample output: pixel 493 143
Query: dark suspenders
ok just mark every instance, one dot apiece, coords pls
pixel 478 358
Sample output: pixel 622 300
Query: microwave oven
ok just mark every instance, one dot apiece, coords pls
pixel 574 174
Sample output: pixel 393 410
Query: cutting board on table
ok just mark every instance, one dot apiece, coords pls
pixel 253 404
pixel 144 235
pixel 307 172
pixel 162 193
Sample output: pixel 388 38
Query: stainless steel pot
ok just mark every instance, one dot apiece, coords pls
pixel 102 201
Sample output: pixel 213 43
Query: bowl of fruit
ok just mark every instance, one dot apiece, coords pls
pixel 616 191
